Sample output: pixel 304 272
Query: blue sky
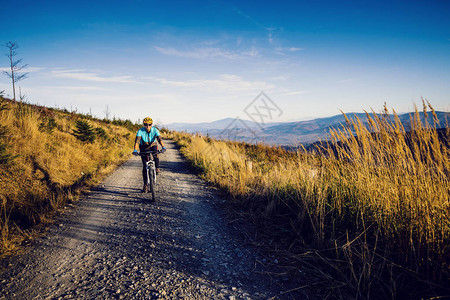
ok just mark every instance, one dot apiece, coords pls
pixel 199 61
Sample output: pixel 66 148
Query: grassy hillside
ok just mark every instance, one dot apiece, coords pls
pixel 47 156
pixel 372 211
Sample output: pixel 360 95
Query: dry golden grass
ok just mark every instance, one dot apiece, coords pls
pixel 375 201
pixel 51 166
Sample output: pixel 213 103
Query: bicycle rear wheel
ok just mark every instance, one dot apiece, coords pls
pixel 152 183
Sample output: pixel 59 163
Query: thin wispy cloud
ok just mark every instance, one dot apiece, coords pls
pixel 208 53
pixel 32 69
pixel 294 93
pixel 27 70
pixel 256 22
pixel 74 88
pixel 269 29
pixel 284 51
pixel 83 75
pixel 225 83
pixel 248 17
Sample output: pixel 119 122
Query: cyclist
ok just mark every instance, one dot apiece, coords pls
pixel 145 142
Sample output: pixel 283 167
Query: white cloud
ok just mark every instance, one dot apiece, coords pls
pixel 225 83
pixel 32 69
pixel 73 88
pixel 208 53
pixel 84 75
pixel 294 93
pixel 24 70
pixel 284 51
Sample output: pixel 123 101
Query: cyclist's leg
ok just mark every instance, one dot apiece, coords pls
pixel 145 159
pixel 155 156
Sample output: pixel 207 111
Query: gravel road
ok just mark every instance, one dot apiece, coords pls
pixel 114 243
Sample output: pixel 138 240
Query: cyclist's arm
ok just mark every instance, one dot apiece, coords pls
pixel 137 142
pixel 160 141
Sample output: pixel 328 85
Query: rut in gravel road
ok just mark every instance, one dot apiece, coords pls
pixel 114 243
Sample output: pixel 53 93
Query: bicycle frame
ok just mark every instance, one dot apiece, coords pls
pixel 150 165
pixel 151 171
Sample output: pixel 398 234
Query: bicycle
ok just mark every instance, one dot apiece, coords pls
pixel 151 171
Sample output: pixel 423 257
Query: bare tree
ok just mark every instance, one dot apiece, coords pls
pixel 15 68
pixel 107 112
pixel 22 97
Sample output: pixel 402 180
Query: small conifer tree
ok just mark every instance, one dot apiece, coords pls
pixel 84 132
pixel 101 133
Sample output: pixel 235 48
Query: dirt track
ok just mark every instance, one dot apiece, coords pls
pixel 115 244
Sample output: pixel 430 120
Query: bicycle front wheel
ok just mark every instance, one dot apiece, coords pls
pixel 152 183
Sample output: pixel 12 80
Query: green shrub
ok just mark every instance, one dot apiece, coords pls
pixel 84 132
pixel 101 133
pixel 48 125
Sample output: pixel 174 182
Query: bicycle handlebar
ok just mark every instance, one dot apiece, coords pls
pixel 151 152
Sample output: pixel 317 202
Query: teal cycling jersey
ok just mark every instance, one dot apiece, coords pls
pixel 147 137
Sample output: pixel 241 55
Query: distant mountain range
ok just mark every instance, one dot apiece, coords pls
pixel 284 134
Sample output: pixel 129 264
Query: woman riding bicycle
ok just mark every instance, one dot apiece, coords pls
pixel 145 142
